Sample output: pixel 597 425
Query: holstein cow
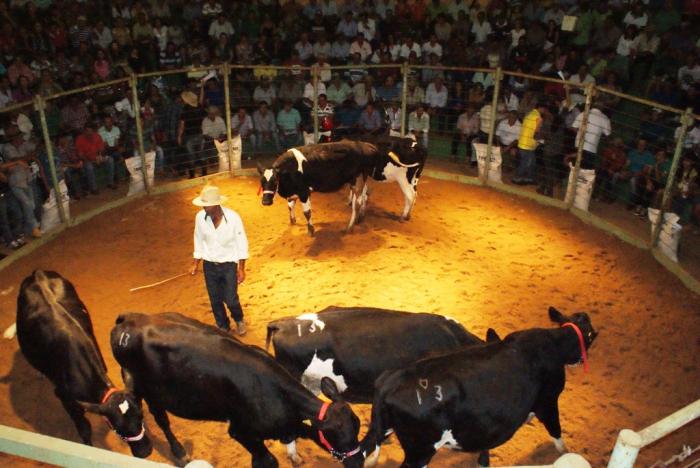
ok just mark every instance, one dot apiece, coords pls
pixel 197 371
pixel 400 160
pixel 325 167
pixel 354 345
pixel 55 334
pixel 476 398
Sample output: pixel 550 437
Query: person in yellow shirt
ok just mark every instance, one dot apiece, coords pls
pixel 527 144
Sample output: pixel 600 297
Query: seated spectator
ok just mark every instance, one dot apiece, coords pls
pixel 324 69
pixel 322 47
pixel 610 171
pixel 510 99
pixel 90 147
pixel 597 64
pixel 388 91
pixel 689 74
pixel 685 190
pixel 347 27
pixel 111 136
pixel 304 48
pixel 211 9
pixel 394 117
pixel 265 92
pixel 485 79
pixel 358 72
pixel 367 27
pixel 223 51
pixel 432 47
pixel 408 47
pixel 289 122
pixel 370 122
pixel 429 74
pixel 640 162
pixel 652 127
pixel 23 91
pixel 338 91
pixel 636 17
pixel 18 69
pixel 582 78
pixel 19 155
pixel 72 166
pixel 290 90
pixel 340 50
pixel 345 119
pixel 244 50
pixel 414 94
pixel 265 127
pixel 419 125
pixel 364 92
pixel 242 124
pixel 74 115
pixel 443 29
pixel 481 28
pixel 507 133
pixel 467 130
pixel 220 26
pixel 325 108
pixel 436 99
pixel 362 47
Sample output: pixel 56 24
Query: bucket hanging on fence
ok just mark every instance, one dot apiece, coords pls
pixel 225 156
pixel 481 149
pixel 670 234
pixel 584 187
pixel 50 217
pixel 133 165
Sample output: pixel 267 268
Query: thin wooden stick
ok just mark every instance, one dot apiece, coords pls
pixel 158 283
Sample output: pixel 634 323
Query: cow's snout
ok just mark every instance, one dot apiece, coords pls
pixel 267 200
pixel 141 449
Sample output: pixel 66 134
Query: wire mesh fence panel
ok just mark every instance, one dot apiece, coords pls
pixel 631 161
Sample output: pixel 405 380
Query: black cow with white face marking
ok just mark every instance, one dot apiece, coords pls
pixel 325 167
pixel 476 398
pixel 400 160
pixel 55 334
pixel 199 372
pixel 354 345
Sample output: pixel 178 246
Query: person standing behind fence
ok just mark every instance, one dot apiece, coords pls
pixel 419 125
pixel 18 153
pixel 527 144
pixel 221 244
pixel 90 148
pixel 189 136
pixel 598 125
pixel 213 128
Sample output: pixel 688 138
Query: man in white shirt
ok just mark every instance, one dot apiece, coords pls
pixel 436 100
pixel 361 46
pixel 689 74
pixel 221 243
pixel 582 78
pixel 219 26
pixel 432 47
pixel 419 125
pixel 213 126
pixel 481 29
pixel 507 133
pixel 409 46
pixel 598 124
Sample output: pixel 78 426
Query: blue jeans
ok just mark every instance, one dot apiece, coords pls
pixel 524 172
pixel 5 226
pixel 89 171
pixel 25 198
pixel 222 285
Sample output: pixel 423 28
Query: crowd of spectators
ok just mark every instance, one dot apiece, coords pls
pixel 647 47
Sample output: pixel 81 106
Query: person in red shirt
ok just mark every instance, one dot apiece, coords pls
pixel 89 147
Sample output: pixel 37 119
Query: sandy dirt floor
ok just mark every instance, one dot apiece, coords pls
pixel 487 259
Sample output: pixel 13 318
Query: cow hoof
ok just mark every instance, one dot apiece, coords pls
pixel 559 445
pixel 310 230
pixel 183 461
pixel 292 221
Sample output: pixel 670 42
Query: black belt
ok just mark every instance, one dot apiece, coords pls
pixel 220 263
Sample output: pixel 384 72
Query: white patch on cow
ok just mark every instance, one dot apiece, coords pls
pixel 388 432
pixel 313 318
pixel 306 206
pixel 124 406
pixel 292 453
pixel 559 445
pixel 267 174
pixel 447 440
pixel 530 417
pixel 318 369
pixel 299 156
pixel 372 459
pixel 393 173
pixel 451 319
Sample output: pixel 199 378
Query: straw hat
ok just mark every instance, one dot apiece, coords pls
pixel 210 196
pixel 190 98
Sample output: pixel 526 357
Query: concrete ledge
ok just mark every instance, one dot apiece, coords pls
pixel 65 453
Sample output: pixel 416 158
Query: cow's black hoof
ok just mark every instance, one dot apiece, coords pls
pixel 180 454
pixel 310 229
pixel 292 221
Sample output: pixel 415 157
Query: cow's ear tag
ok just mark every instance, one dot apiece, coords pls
pixel 124 406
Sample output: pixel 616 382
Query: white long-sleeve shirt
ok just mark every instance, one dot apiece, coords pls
pixel 227 243
pixel 435 98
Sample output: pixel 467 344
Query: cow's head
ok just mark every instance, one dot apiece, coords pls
pixel 268 184
pixel 337 427
pixel 580 322
pixel 124 414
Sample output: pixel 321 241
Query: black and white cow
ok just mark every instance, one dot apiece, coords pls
pixel 199 372
pixel 354 345
pixel 476 398
pixel 325 167
pixel 55 334
pixel 400 160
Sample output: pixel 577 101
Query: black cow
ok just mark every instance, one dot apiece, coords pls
pixel 400 160
pixel 55 334
pixel 354 345
pixel 199 372
pixel 325 167
pixel 476 398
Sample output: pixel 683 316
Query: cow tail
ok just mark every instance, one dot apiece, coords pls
pixel 271 329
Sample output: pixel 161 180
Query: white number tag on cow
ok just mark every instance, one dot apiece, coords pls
pixel 124 339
